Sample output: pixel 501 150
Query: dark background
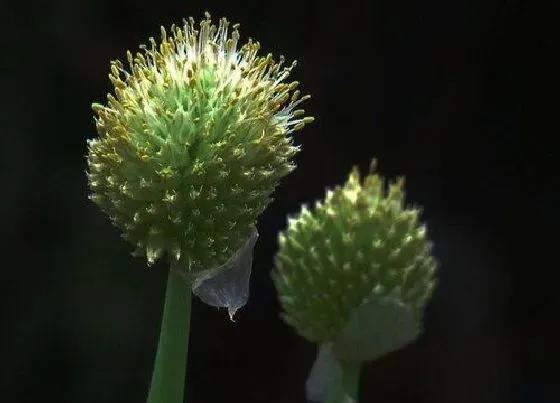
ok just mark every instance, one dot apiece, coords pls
pixel 457 96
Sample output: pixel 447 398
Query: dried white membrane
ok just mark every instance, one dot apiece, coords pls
pixel 227 286
pixel 373 330
pixel 324 373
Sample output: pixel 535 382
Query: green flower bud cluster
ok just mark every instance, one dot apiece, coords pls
pixel 193 142
pixel 359 244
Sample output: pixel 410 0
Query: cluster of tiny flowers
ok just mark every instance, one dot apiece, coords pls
pixel 193 142
pixel 359 243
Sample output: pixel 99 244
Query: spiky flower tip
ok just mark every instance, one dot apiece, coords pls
pixel 193 142
pixel 358 244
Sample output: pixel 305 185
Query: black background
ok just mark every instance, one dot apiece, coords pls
pixel 458 96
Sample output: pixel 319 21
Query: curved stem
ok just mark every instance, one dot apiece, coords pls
pixel 346 387
pixel 168 378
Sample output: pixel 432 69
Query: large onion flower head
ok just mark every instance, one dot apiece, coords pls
pixel 193 142
pixel 357 269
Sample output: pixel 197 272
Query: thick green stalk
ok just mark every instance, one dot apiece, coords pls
pixel 168 378
pixel 346 388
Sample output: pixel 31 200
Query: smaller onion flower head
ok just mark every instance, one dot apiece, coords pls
pixel 361 244
pixel 193 142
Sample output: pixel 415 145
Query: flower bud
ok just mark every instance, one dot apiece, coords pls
pixel 192 142
pixel 360 247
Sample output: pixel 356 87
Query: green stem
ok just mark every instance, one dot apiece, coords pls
pixel 346 388
pixel 351 378
pixel 168 378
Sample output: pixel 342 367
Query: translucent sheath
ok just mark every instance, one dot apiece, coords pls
pixel 226 286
